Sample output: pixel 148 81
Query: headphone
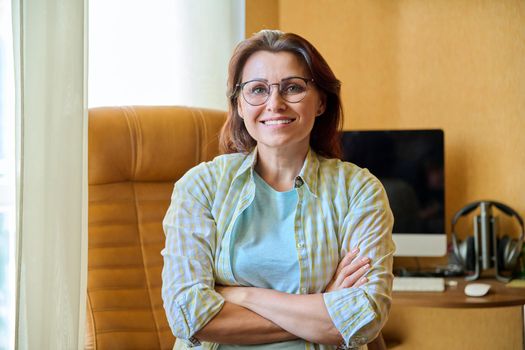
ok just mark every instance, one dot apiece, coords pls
pixel 507 249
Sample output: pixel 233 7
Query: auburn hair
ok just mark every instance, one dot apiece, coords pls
pixel 325 135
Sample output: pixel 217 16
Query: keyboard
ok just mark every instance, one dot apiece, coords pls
pixel 419 284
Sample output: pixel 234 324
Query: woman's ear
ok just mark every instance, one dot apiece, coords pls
pixel 322 105
pixel 239 109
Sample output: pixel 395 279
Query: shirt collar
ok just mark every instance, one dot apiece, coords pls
pixel 307 176
pixel 309 172
pixel 248 163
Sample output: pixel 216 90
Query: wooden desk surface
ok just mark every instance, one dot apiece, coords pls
pixel 454 297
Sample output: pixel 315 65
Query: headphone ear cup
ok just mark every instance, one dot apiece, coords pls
pixel 503 243
pixel 470 254
pixel 509 253
pixel 466 254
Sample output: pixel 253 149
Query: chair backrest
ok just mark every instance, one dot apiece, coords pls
pixel 135 156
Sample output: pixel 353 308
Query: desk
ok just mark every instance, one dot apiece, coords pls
pixel 454 297
pixel 452 320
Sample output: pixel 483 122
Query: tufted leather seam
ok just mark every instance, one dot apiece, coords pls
pixel 109 309
pixel 95 331
pixel 102 246
pixel 204 149
pixel 140 145
pixel 113 223
pixel 131 113
pixel 208 140
pixel 98 289
pixel 122 288
pixel 144 263
pixel 122 267
pixel 198 135
pixel 125 182
pixel 133 139
pixel 126 330
pixel 112 200
pixel 124 200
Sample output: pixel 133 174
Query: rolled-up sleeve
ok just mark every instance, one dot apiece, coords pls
pixel 360 313
pixel 190 300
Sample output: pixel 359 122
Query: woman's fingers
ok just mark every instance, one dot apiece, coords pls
pixel 356 277
pixel 346 260
pixel 361 281
pixel 350 272
pixel 352 268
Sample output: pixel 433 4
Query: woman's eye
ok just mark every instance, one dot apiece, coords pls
pixel 293 89
pixel 259 90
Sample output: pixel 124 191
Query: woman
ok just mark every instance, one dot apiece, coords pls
pixel 260 241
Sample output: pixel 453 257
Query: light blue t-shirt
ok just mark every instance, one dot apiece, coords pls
pixel 263 249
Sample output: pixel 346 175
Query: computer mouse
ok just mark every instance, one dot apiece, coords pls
pixel 477 289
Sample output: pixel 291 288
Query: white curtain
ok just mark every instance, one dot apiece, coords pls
pixel 50 61
pixel 7 180
pixel 162 52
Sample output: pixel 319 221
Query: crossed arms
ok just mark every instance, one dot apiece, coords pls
pixel 256 315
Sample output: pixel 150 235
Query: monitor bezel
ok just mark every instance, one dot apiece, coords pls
pixel 417 244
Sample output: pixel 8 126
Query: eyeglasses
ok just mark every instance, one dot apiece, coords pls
pixel 257 92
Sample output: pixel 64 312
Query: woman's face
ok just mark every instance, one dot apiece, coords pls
pixel 279 124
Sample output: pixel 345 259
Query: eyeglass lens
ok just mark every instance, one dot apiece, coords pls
pixel 257 92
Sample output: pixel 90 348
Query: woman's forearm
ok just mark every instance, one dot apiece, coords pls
pixel 305 316
pixel 235 324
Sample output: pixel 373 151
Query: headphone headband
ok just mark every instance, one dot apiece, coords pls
pixel 504 208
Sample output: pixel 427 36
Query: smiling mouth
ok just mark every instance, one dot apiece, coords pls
pixel 277 122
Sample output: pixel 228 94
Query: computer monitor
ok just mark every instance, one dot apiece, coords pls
pixel 410 165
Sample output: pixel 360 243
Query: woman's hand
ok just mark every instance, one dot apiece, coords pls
pixel 350 272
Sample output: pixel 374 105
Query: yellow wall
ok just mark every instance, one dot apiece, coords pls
pixel 456 65
pixel 261 14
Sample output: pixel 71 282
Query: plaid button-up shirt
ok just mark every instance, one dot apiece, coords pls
pixel 340 207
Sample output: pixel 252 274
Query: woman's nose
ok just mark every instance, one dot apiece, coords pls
pixel 275 100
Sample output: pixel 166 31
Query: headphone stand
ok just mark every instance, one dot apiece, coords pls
pixel 477 256
pixel 481 234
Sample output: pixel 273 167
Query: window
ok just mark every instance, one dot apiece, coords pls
pixel 162 52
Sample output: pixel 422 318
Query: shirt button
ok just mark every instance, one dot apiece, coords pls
pixel 300 245
pixel 298 182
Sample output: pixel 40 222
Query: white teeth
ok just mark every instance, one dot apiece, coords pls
pixel 277 122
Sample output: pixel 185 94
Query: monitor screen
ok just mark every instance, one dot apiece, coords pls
pixel 410 165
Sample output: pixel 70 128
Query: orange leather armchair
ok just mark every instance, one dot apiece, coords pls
pixel 135 156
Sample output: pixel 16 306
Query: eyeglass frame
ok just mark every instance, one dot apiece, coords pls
pixel 240 87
